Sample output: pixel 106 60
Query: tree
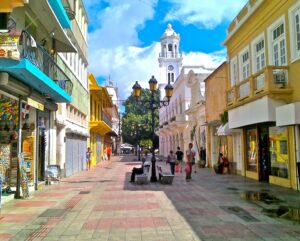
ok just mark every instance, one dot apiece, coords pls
pixel 136 121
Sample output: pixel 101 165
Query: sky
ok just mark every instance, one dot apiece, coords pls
pixel 124 36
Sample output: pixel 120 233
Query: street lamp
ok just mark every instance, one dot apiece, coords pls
pixel 153 104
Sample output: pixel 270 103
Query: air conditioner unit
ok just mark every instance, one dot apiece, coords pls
pixel 279 76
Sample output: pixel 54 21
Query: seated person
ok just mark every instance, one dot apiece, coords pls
pixel 222 163
pixel 143 169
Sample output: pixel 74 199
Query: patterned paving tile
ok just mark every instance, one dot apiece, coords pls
pixel 126 196
pixel 51 194
pixel 16 218
pixel 126 223
pixel 127 206
pixel 35 203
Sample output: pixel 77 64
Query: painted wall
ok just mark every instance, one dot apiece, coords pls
pixel 215 93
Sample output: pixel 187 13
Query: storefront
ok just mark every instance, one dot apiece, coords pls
pixel 268 153
pixel 17 143
pixel 9 125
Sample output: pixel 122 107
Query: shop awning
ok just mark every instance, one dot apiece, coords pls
pixel 112 133
pixel 288 114
pixel 32 76
pixel 224 130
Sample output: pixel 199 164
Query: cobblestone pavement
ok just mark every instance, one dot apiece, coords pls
pixel 101 204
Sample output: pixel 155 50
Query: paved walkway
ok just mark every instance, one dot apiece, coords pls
pixel 101 204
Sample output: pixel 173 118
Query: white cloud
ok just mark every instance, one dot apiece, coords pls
pixel 204 13
pixel 114 39
pixel 212 60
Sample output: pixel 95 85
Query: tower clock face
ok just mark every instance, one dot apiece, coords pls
pixel 170 67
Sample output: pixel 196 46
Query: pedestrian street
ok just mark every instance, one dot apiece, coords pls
pixel 101 204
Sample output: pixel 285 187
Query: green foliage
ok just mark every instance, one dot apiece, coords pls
pixel 137 122
pixel 224 117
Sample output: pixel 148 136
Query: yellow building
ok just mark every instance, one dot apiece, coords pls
pixel 100 119
pixel 219 136
pixel 263 91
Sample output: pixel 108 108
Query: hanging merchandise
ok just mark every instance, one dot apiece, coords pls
pixel 24 179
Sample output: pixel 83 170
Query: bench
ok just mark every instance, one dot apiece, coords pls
pixel 164 177
pixel 142 178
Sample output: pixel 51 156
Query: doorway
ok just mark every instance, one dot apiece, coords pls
pixel 264 155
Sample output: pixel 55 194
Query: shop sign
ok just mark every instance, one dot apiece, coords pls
pixel 35 104
pixel 9 46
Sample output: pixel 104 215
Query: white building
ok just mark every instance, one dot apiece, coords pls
pixel 174 128
pixel 113 92
pixel 72 118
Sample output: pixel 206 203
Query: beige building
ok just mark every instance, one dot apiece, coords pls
pixel 219 137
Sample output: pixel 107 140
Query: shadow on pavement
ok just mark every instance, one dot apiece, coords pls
pixel 219 207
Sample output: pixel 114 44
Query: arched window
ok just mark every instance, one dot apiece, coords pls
pixel 169 77
pixel 170 48
pixel 172 78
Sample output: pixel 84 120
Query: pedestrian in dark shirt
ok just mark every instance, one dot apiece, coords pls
pixel 179 158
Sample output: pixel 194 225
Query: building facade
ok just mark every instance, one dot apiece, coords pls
pixel 219 137
pixel 32 84
pixel 115 133
pixel 100 122
pixel 72 118
pixel 263 88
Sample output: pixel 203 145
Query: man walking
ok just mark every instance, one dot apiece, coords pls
pixel 190 157
pixel 179 157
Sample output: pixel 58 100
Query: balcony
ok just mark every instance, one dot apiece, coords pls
pixel 106 119
pixel 60 13
pixel 271 81
pixel 30 63
pixel 170 55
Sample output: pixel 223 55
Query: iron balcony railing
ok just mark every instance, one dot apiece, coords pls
pixel 106 119
pixel 37 55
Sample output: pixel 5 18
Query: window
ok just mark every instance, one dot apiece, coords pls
pixel 170 47
pixel 3 20
pixel 251 149
pixel 259 60
pixel 172 75
pixel 294 18
pixel 233 71
pixel 277 43
pixel 245 65
pixel 278 149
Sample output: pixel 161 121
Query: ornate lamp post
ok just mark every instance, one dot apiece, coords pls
pixel 153 104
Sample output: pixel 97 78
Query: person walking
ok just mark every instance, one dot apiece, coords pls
pixel 88 159
pixel 171 160
pixel 190 160
pixel 179 157
pixel 109 151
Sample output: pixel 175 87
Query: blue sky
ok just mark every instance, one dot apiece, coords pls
pixel 124 35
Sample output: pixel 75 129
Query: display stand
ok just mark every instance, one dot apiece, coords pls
pixel 24 179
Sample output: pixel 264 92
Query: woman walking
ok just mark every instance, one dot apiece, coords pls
pixel 171 160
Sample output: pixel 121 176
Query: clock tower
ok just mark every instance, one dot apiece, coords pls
pixel 170 59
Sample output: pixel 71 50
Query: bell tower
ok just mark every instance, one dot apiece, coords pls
pixel 170 59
